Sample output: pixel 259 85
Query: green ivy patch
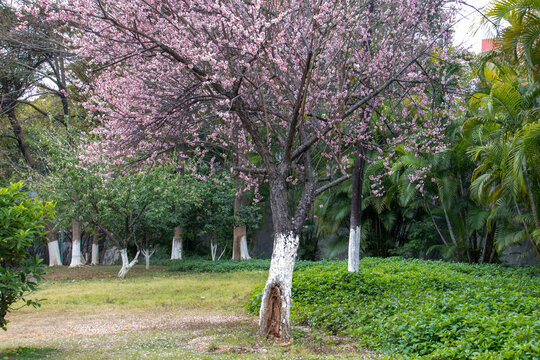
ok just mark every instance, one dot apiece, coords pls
pixel 423 309
pixel 197 265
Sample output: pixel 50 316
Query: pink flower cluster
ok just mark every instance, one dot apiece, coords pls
pixel 242 76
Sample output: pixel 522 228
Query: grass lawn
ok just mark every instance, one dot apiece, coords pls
pixel 88 313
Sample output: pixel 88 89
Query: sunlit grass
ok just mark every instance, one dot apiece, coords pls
pixel 87 313
pixel 143 289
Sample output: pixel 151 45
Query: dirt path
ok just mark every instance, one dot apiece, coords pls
pixel 69 323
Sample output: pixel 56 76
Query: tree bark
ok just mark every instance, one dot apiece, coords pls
pixel 213 249
pixel 532 202
pixel 530 193
pixel 244 252
pixel 95 247
pixel 488 245
pixel 52 245
pixel 176 252
pixel 76 256
pixel 356 210
pixel 240 248
pixel 147 259
pixel 21 141
pixel 126 265
pixel 276 298
pixel 274 321
pixel 239 232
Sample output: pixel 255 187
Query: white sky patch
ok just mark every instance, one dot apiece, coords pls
pixel 469 31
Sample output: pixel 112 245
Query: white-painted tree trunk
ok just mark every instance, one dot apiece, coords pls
pixel 95 254
pixel 147 254
pixel 276 297
pixel 244 253
pixel 53 246
pixel 54 253
pixel 213 250
pixel 354 248
pixel 356 209
pixel 95 247
pixel 76 255
pixel 126 265
pixel 176 252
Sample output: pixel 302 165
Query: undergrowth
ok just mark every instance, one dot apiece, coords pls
pixel 422 309
pixel 196 265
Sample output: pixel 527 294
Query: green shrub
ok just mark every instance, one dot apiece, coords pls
pixel 21 226
pixel 198 265
pixel 423 309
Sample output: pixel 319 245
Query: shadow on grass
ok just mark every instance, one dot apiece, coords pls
pixel 28 353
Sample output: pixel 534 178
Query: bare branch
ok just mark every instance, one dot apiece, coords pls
pixel 338 181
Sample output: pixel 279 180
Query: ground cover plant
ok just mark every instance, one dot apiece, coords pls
pixel 423 309
pixel 196 265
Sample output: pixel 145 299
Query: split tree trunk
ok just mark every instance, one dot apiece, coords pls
pixel 276 297
pixel 126 265
pixel 76 256
pixel 95 247
pixel 213 247
pixel 148 252
pixel 176 253
pixel 355 233
pixel 274 321
pixel 147 260
pixel 52 245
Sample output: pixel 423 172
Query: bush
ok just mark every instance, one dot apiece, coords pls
pixel 423 309
pixel 197 265
pixel 21 226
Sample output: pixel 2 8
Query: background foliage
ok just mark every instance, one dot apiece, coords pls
pixel 22 224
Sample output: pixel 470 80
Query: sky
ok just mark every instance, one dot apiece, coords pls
pixel 466 32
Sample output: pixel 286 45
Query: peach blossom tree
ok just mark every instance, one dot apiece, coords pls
pixel 293 82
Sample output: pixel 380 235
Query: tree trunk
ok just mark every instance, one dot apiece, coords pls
pixel 95 247
pixel 488 245
pixel 244 252
pixel 76 256
pixel 213 247
pixel 356 210
pixel 276 297
pixel 240 250
pixel 532 202
pixel 52 245
pixel 21 142
pixel 176 253
pixel 148 252
pixel 126 265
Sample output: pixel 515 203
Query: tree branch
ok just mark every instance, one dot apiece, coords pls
pixel 295 115
pixel 338 181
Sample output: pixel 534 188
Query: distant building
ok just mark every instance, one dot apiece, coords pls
pixel 488 44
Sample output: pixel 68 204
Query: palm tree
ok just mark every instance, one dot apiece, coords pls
pixel 520 39
pixel 504 134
